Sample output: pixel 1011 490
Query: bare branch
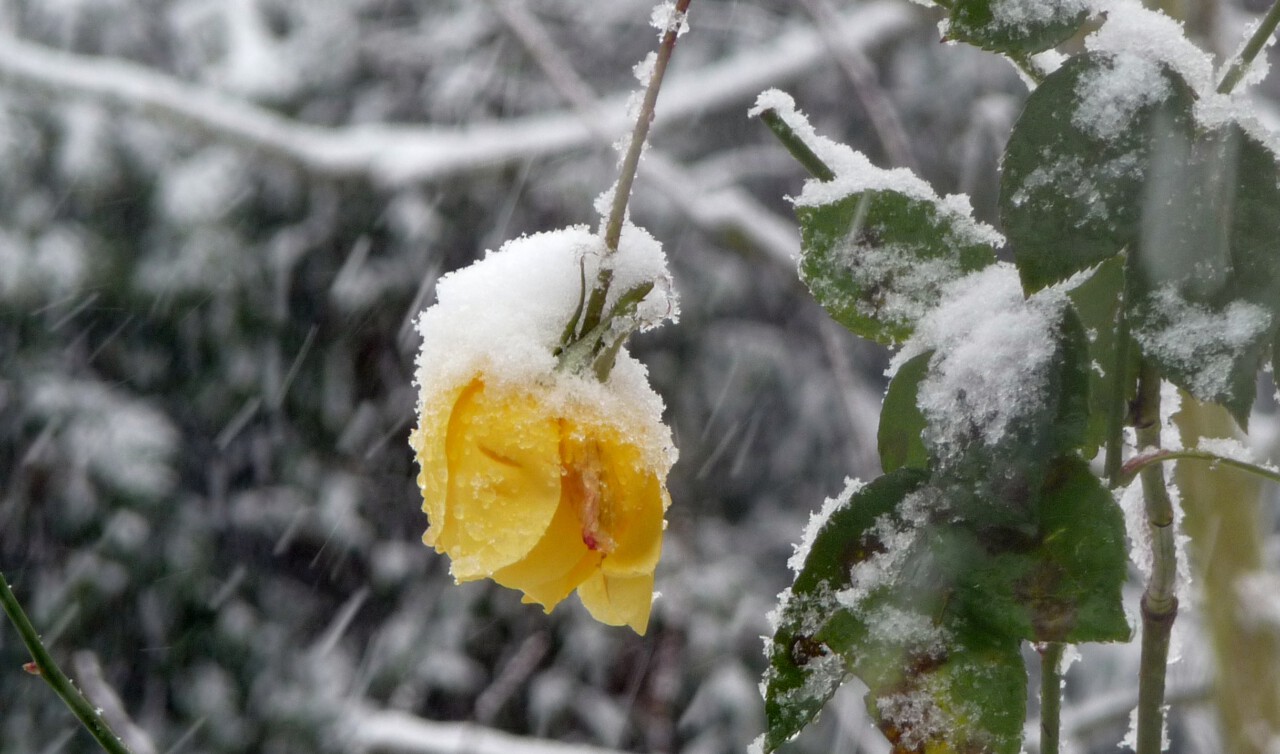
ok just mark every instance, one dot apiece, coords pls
pixel 390 731
pixel 395 155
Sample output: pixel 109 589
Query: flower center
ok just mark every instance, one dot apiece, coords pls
pixel 589 492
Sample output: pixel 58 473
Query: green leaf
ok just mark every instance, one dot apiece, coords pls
pixel 803 671
pixel 901 422
pixel 972 699
pixel 936 679
pixel 874 599
pixel 1097 302
pixel 1070 428
pixel 1206 279
pixel 877 260
pixel 1062 584
pixel 1071 191
pixel 994 476
pixel 1005 26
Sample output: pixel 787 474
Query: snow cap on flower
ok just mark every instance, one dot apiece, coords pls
pixel 546 480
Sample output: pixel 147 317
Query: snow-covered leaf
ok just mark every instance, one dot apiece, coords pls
pixel 1071 193
pixel 1006 393
pixel 803 671
pixel 877 259
pixel 1015 26
pixel 875 600
pixel 1206 281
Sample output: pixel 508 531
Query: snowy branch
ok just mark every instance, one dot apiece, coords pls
pixel 402 733
pixel 399 154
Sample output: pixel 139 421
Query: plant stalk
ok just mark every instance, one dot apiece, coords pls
pixel 1159 605
pixel 1116 412
pixel 1241 64
pixel 1135 465
pixel 627 172
pixel 1050 696
pixel 796 146
pixel 53 675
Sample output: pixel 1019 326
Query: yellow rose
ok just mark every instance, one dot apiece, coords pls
pixel 545 494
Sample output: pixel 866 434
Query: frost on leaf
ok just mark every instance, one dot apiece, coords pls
pixel 878 256
pixel 1005 391
pixel 878 245
pixel 1077 160
pixel 804 669
pixel 1015 26
pixel 874 600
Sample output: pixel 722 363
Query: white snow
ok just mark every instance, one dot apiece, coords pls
pixel 1022 14
pixel 1132 30
pixel 993 355
pixel 665 18
pixel 502 317
pixel 49 267
pixel 1199 341
pixel 818 519
pixel 896 537
pixel 855 174
pixel 1110 95
pixel 125 442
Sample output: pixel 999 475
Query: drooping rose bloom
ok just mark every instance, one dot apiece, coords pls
pixel 544 479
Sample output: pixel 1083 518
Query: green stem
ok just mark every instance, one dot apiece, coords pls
pixel 1050 696
pixel 54 676
pixel 1138 463
pixel 627 172
pixel 1159 605
pixel 1240 65
pixel 1117 411
pixel 796 146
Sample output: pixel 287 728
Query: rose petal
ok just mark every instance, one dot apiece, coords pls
pixel 503 453
pixel 619 600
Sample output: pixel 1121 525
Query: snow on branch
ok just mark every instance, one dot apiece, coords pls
pixel 392 731
pixel 400 154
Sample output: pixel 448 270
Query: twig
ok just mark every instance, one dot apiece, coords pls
pixel 1136 464
pixel 1050 696
pixel 393 731
pixel 857 67
pixel 53 675
pixel 397 155
pixel 796 146
pixel 630 163
pixel 1024 63
pixel 1159 605
pixel 1240 65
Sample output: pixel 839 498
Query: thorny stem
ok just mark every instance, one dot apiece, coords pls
pixel 630 162
pixel 796 146
pixel 53 675
pixel 1050 696
pixel 1240 65
pixel 1159 605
